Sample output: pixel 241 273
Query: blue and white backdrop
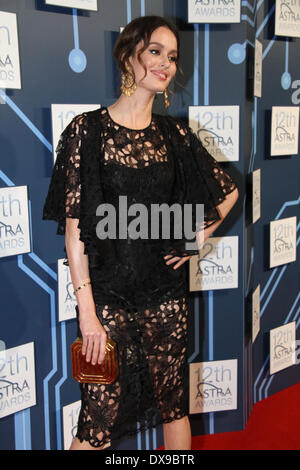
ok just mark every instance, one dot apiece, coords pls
pixel 241 94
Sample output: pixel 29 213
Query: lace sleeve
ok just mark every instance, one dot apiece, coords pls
pixel 218 181
pixel 201 180
pixel 63 198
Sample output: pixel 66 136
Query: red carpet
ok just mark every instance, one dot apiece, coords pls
pixel 272 425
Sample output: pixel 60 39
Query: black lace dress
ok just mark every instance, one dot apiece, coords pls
pixel 140 301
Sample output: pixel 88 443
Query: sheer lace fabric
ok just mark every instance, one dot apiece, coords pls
pixel 139 299
pixel 129 147
pixel 153 383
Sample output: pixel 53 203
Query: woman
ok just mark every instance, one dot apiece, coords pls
pixel 133 289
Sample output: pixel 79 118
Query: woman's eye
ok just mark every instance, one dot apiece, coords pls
pixel 173 59
pixel 154 50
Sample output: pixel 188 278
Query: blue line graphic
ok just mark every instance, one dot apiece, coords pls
pixel 297 313
pixel 259 376
pixel 6 179
pixel 77 58
pixel 261 27
pixel 50 291
pixel 206 63
pixel 25 119
pixel 272 290
pixel 296 301
pixel 75 28
pixel 22 425
pixel 292 308
pixel 43 265
pixel 139 436
pixel 287 204
pixel 128 11
pixel 266 51
pixel 211 324
pixel 59 384
pixel 254 136
pixel 245 18
pixel 211 346
pixel 147 440
pixel 247 5
pixel 154 445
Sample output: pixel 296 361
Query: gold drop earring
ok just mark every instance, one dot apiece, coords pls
pixel 128 84
pixel 167 102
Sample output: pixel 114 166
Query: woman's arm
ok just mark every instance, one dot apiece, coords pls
pixel 93 334
pixel 223 208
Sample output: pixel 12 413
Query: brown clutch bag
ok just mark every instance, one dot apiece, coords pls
pixel 86 372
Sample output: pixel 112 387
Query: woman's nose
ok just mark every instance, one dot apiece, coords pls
pixel 164 61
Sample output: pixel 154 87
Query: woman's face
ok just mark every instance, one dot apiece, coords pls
pixel 160 60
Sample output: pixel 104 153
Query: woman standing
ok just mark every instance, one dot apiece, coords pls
pixel 134 289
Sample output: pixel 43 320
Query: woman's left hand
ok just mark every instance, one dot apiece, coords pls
pixel 172 259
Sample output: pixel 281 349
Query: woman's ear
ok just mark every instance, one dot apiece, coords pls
pixel 129 63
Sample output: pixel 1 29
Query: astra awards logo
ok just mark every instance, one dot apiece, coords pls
pixel 9 51
pixel 285 130
pixel 282 347
pixel 62 115
pixel 17 379
pixel 14 223
pixel 66 296
pixel 82 4
pixel 216 267
pixel 256 195
pixel 213 386
pixel 257 68
pixel 218 11
pixel 255 312
pixel 70 421
pixel 283 241
pixel 289 10
pixel 217 127
pixel 287 18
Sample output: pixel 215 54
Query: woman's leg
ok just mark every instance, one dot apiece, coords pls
pixel 177 434
pixel 165 340
pixel 100 402
pixel 77 445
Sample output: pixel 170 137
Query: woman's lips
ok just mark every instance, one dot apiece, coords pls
pixel 163 76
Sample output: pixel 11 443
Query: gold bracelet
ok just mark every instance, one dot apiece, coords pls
pixel 83 285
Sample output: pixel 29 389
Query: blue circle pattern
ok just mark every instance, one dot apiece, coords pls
pixel 236 53
pixel 77 60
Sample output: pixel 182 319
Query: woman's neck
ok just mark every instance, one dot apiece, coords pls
pixel 132 111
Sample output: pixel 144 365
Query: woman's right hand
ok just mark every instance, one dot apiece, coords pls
pixel 94 338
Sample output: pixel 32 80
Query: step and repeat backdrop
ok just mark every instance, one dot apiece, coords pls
pixel 240 93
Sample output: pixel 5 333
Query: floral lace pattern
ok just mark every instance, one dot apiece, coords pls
pixel 152 387
pixel 131 147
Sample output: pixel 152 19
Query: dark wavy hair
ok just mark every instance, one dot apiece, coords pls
pixel 140 29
